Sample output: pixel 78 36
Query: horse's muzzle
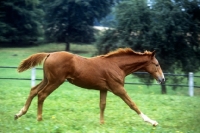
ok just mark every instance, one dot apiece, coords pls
pixel 161 80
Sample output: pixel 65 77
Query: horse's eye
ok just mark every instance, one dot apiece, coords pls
pixel 157 65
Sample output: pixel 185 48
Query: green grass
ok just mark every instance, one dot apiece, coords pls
pixel 71 109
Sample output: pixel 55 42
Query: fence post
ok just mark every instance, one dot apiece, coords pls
pixel 33 76
pixel 191 84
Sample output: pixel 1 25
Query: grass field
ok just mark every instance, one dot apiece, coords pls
pixel 71 109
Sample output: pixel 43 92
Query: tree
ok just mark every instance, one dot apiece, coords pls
pixel 133 22
pixel 72 20
pixel 20 22
pixel 177 33
pixel 170 27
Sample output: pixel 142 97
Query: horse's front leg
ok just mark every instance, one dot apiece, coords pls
pixel 124 96
pixel 102 105
pixel 147 119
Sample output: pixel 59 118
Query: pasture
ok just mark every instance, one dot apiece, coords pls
pixel 70 109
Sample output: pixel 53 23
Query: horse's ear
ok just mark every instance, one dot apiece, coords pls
pixel 153 54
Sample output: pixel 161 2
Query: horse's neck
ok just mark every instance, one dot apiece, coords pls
pixel 131 63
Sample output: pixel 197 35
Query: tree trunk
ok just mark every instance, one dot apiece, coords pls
pixel 163 89
pixel 67 47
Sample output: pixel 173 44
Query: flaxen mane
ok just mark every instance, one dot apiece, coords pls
pixel 128 51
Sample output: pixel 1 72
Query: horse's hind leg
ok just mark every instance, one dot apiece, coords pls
pixel 42 95
pixel 33 92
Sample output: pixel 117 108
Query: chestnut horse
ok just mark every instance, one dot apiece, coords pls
pixel 104 73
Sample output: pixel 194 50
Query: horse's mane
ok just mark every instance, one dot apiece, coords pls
pixel 125 51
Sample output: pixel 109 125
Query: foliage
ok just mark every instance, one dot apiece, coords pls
pixel 168 27
pixel 130 21
pixel 62 20
pixel 72 20
pixel 20 22
pixel 178 34
pixel 171 28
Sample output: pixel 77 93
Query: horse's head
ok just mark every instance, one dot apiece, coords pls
pixel 154 69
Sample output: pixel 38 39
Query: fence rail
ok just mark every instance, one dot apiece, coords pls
pixel 190 77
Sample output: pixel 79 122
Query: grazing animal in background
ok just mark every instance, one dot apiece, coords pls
pixel 104 73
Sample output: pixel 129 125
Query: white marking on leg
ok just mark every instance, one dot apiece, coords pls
pixel 147 119
pixel 21 112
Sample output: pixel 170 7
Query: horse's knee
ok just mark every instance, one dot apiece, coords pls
pixel 102 105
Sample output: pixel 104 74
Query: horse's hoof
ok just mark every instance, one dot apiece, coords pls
pixel 16 117
pixel 101 122
pixel 155 124
pixel 39 119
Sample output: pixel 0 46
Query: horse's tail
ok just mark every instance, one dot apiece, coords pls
pixel 32 61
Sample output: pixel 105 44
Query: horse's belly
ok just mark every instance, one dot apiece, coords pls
pixel 88 84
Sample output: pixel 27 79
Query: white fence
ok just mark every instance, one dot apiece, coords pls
pixel 190 84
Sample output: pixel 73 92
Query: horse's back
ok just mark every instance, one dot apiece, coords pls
pixel 91 73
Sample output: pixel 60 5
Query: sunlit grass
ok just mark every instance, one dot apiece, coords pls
pixel 72 109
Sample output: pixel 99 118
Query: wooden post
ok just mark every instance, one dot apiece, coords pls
pixel 33 76
pixel 191 84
